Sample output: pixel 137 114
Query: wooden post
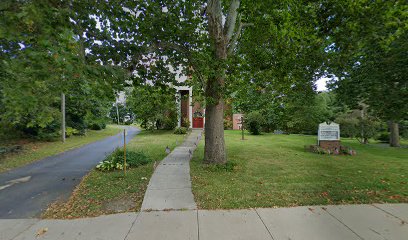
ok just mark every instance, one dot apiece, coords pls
pixel 242 127
pixel 124 150
pixel 63 117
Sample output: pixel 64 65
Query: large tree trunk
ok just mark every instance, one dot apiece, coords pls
pixel 394 134
pixel 220 36
pixel 214 151
pixel 363 111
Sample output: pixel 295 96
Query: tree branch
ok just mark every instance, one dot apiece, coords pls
pixel 169 45
pixel 214 13
pixel 187 53
pixel 231 20
pixel 247 25
pixel 172 46
pixel 234 41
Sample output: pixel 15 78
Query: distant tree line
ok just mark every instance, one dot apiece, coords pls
pixel 301 115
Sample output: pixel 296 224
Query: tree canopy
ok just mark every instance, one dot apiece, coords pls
pixel 222 44
pixel 41 56
pixel 261 55
pixel 369 55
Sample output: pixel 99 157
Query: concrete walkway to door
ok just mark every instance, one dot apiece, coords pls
pixel 170 186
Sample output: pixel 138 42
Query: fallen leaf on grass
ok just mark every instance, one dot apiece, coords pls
pixel 325 194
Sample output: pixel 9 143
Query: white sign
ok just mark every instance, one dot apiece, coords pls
pixel 329 132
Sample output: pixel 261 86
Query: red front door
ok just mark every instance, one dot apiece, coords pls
pixel 198 122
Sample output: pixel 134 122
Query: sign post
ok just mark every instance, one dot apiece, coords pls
pixel 242 127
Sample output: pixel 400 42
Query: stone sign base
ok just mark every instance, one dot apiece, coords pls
pixel 330 145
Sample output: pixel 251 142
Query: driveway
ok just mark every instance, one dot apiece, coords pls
pixel 26 192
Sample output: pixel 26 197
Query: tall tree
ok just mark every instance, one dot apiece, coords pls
pixel 369 54
pixel 220 38
pixel 210 40
pixel 41 55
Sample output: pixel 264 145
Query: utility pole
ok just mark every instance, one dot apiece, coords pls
pixel 117 110
pixel 63 117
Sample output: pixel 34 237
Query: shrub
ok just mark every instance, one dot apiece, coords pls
pixel 253 122
pixel 10 149
pixel 97 125
pixel 79 126
pixel 319 150
pixel 7 132
pixel 134 159
pixel 51 132
pixel 47 136
pixel 347 150
pixel 352 125
pixel 71 131
pixel 116 160
pixel 128 122
pixel 169 122
pixel 108 166
pixel 180 130
pixel 185 123
pixel 316 149
pixel 383 137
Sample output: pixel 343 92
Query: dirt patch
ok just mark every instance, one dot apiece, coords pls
pixel 119 205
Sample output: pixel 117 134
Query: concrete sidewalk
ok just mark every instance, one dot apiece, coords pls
pixel 170 185
pixel 385 221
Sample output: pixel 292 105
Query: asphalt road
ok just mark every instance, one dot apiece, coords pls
pixel 26 191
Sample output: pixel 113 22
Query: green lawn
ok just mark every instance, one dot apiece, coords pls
pixel 37 150
pixel 274 170
pixel 110 192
